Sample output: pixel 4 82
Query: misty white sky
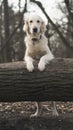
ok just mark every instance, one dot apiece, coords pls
pixel 51 7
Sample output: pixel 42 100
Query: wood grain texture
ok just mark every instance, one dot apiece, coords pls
pixel 55 83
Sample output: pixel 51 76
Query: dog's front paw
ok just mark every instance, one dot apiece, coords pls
pixel 30 67
pixel 41 66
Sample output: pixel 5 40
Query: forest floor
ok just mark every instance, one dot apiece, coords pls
pixel 16 116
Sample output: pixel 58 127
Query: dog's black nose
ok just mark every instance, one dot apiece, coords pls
pixel 35 30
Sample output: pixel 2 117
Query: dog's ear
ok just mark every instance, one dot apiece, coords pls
pixel 25 27
pixel 43 27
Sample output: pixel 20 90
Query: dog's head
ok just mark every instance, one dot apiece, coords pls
pixel 34 25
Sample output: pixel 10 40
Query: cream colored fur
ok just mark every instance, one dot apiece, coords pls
pixel 39 48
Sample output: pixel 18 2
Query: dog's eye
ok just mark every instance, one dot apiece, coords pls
pixel 38 21
pixel 31 21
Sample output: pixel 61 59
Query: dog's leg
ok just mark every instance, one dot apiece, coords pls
pixel 54 110
pixel 29 63
pixel 44 60
pixel 38 110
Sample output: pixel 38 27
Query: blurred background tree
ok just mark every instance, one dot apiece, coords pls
pixel 59 33
pixel 11 32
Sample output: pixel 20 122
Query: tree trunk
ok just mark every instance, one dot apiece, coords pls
pixel 7 49
pixel 55 83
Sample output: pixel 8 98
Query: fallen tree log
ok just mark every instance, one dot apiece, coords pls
pixel 54 84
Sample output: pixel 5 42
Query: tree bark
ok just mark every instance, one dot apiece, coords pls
pixel 54 84
pixel 7 49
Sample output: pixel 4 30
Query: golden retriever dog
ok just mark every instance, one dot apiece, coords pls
pixel 36 46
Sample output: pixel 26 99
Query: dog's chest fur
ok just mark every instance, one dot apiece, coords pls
pixel 36 51
pixel 37 54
